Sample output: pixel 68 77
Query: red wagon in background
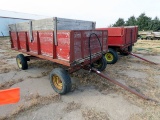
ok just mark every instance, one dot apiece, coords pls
pixel 120 39
pixel 72 43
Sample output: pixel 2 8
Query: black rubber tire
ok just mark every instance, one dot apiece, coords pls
pixel 129 50
pixel 114 55
pixel 65 79
pixel 23 62
pixel 124 53
pixel 100 64
pixel 147 38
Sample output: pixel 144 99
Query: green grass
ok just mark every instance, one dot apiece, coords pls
pixel 4 38
pixel 139 49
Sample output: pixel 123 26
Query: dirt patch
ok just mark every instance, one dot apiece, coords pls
pixel 5 67
pixel 33 102
pixel 134 74
pixel 91 79
pixel 10 83
pixel 5 70
pixel 92 114
pixel 151 113
pixel 72 106
pixel 44 73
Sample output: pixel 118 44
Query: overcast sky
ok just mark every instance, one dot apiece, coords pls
pixel 104 12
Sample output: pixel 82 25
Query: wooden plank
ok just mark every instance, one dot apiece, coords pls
pixel 49 24
pixel 12 27
pixel 43 24
pixel 22 26
pixel 69 24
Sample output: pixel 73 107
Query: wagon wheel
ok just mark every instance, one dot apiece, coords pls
pixel 21 62
pixel 100 64
pixel 60 81
pixel 111 56
pixel 147 38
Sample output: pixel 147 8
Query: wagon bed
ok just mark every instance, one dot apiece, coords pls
pixel 59 40
pixel 72 47
pixel 72 43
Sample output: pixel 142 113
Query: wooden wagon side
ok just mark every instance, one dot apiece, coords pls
pixel 72 43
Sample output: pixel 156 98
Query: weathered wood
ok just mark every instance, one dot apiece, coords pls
pixel 49 24
pixel 19 26
pixel 12 27
pixel 43 24
pixel 69 24
pixel 22 26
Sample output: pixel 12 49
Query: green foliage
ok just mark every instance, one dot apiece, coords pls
pixel 119 22
pixel 155 26
pixel 142 21
pixel 131 21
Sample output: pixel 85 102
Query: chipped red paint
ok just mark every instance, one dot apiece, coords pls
pixel 13 39
pixel 46 43
pixel 22 40
pixel 72 48
pixel 33 46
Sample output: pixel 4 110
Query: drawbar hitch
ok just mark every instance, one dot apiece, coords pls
pixel 121 85
pixel 141 58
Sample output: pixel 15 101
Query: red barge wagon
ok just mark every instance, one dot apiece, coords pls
pixel 120 39
pixel 72 43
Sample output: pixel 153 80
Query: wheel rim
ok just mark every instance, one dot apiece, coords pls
pixel 57 82
pixel 19 63
pixel 109 57
pixel 98 65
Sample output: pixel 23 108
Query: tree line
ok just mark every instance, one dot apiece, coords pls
pixel 143 22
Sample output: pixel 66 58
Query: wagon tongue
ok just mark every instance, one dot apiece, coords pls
pixel 123 86
pixel 141 58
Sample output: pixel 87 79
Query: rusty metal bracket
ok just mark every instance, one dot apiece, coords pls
pixel 55 31
pixel 30 31
pixel 123 86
